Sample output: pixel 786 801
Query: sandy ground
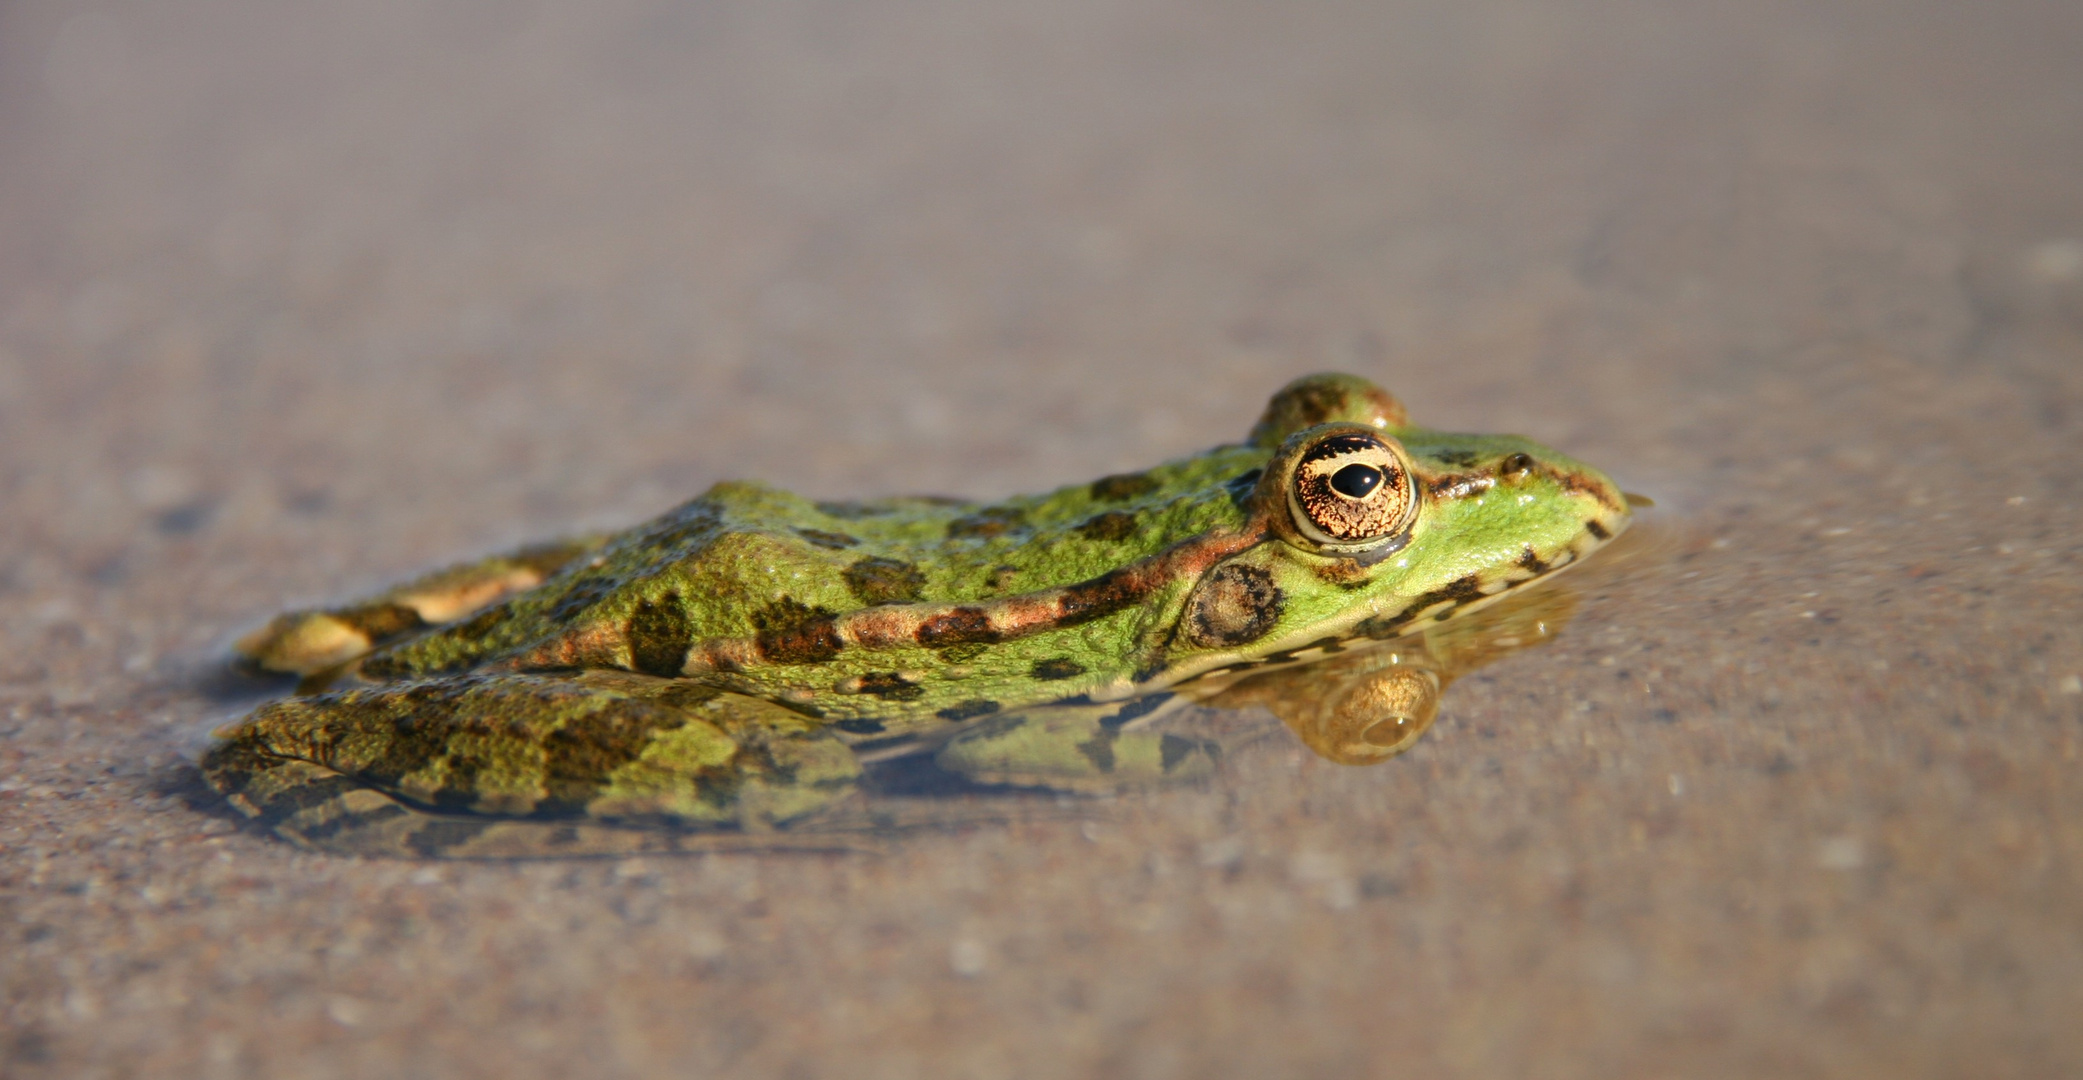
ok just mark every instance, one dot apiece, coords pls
pixel 297 299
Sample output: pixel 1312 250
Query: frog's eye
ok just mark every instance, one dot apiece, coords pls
pixel 1351 491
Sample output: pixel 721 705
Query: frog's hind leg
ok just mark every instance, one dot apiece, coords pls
pixel 314 807
pixel 304 642
pixel 522 765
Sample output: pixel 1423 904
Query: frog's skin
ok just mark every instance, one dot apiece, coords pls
pixel 730 664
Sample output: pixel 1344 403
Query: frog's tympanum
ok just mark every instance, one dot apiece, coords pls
pixel 729 667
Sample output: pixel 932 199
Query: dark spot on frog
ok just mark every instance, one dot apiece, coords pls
pixel 1449 486
pixel 1001 579
pixel 1102 596
pixel 1242 485
pixel 1112 525
pixel 860 727
pixel 791 632
pixel 1122 486
pixel 958 626
pixel 787 613
pixel 580 755
pixel 1384 627
pixel 1514 464
pixel 483 623
pixel 580 596
pixel 460 769
pixel 1344 573
pixel 1531 560
pixel 876 580
pixel 1461 590
pixel 422 719
pixel 823 539
pixel 1598 530
pixel 1057 667
pixel 1581 483
pixel 382 668
pixel 1460 459
pixel 808 643
pixel 1236 604
pixel 963 653
pixel 890 686
pixel 989 522
pixel 964 710
pixel 382 621
pixel 659 636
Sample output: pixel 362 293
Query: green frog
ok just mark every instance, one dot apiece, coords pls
pixel 728 669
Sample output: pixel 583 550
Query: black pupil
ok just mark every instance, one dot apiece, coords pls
pixel 1356 481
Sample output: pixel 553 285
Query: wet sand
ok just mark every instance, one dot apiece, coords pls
pixel 296 302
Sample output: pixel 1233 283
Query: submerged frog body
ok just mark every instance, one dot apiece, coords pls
pixel 730 664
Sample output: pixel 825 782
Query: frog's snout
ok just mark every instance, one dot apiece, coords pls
pixel 1609 511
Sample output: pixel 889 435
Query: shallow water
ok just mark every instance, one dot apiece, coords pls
pixel 293 304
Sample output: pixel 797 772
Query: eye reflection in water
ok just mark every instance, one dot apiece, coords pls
pixel 1376 700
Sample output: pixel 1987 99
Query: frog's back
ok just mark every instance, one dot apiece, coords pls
pixel 748 563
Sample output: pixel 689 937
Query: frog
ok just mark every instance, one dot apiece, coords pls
pixel 725 672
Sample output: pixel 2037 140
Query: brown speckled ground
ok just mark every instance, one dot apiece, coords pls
pixel 295 299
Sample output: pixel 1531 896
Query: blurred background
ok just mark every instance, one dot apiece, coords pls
pixel 297 299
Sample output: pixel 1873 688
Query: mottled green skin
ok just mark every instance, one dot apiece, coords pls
pixel 736 560
pixel 595 744
pixel 798 626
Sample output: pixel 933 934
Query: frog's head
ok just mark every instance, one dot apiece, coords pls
pixel 1378 528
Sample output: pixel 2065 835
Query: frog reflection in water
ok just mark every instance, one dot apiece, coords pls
pixel 730 666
